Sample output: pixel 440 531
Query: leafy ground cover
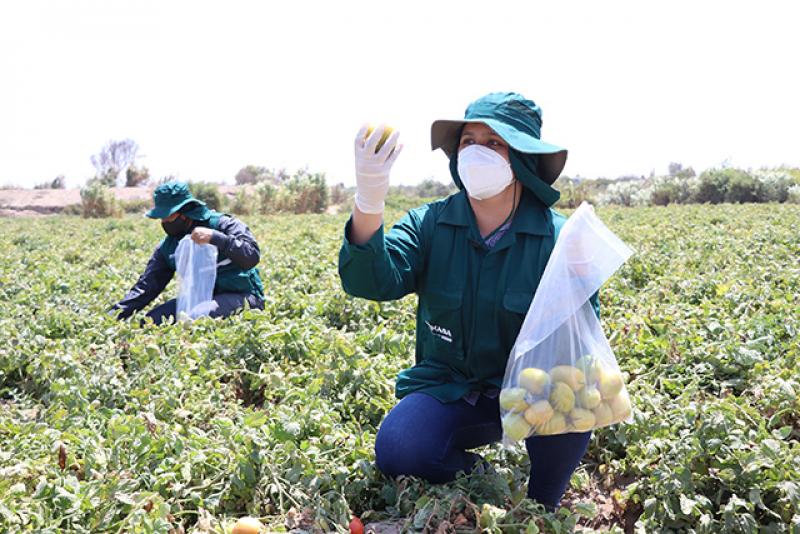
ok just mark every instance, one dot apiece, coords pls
pixel 118 427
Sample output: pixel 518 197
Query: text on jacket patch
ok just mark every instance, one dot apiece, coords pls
pixel 440 332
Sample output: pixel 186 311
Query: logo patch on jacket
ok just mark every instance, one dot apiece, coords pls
pixel 440 332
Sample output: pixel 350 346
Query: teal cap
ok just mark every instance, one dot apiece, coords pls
pixel 514 118
pixel 171 197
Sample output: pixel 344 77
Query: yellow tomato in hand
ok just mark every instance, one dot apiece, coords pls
pixel 387 131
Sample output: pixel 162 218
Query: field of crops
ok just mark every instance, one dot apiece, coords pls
pixel 117 427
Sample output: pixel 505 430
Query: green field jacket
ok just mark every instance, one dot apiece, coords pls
pixel 472 300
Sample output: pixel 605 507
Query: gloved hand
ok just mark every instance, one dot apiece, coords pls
pixel 372 169
pixel 202 235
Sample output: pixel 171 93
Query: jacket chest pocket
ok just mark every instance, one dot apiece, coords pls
pixel 517 302
pixel 441 328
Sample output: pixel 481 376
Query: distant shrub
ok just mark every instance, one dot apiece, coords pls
pixel 338 194
pixel 243 203
pixel 136 176
pixel 283 201
pixel 774 184
pixel 712 186
pixel 254 174
pixel 309 190
pixel 207 192
pixel 59 182
pixel 629 192
pixel 136 205
pixel 72 209
pixel 109 179
pixel 430 188
pixel 97 200
pixel 793 194
pixel 303 192
pixel 674 189
pixel 573 193
pixel 663 194
pixel 266 194
pixel 741 187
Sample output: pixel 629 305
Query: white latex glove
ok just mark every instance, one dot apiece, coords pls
pixel 372 169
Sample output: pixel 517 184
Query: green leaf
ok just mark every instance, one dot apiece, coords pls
pixel 687 504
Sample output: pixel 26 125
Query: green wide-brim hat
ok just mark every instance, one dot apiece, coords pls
pixel 514 118
pixel 171 197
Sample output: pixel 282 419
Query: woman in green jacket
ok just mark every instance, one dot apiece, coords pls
pixel 475 260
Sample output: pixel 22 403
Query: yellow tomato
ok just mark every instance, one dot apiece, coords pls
pixel 572 376
pixel 534 380
pixel 247 525
pixel 539 413
pixel 513 399
pixel 387 131
pixel 515 426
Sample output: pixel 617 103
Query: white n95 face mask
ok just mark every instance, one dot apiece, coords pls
pixel 484 172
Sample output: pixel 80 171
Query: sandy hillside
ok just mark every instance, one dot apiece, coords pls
pixel 31 202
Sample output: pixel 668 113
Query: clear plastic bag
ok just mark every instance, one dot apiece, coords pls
pixel 196 266
pixel 562 375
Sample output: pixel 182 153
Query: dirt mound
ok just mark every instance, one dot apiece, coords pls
pixel 33 202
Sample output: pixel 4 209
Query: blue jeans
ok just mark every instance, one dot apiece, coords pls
pixel 227 304
pixel 425 437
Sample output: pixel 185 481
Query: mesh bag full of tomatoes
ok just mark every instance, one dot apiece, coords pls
pixel 562 375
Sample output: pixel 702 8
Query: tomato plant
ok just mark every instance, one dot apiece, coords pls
pixel 112 426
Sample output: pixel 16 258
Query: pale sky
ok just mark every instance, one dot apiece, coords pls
pixel 205 88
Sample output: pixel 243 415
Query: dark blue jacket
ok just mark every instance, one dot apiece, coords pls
pixel 232 238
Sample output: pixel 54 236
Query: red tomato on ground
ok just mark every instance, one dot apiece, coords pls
pixel 356 526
